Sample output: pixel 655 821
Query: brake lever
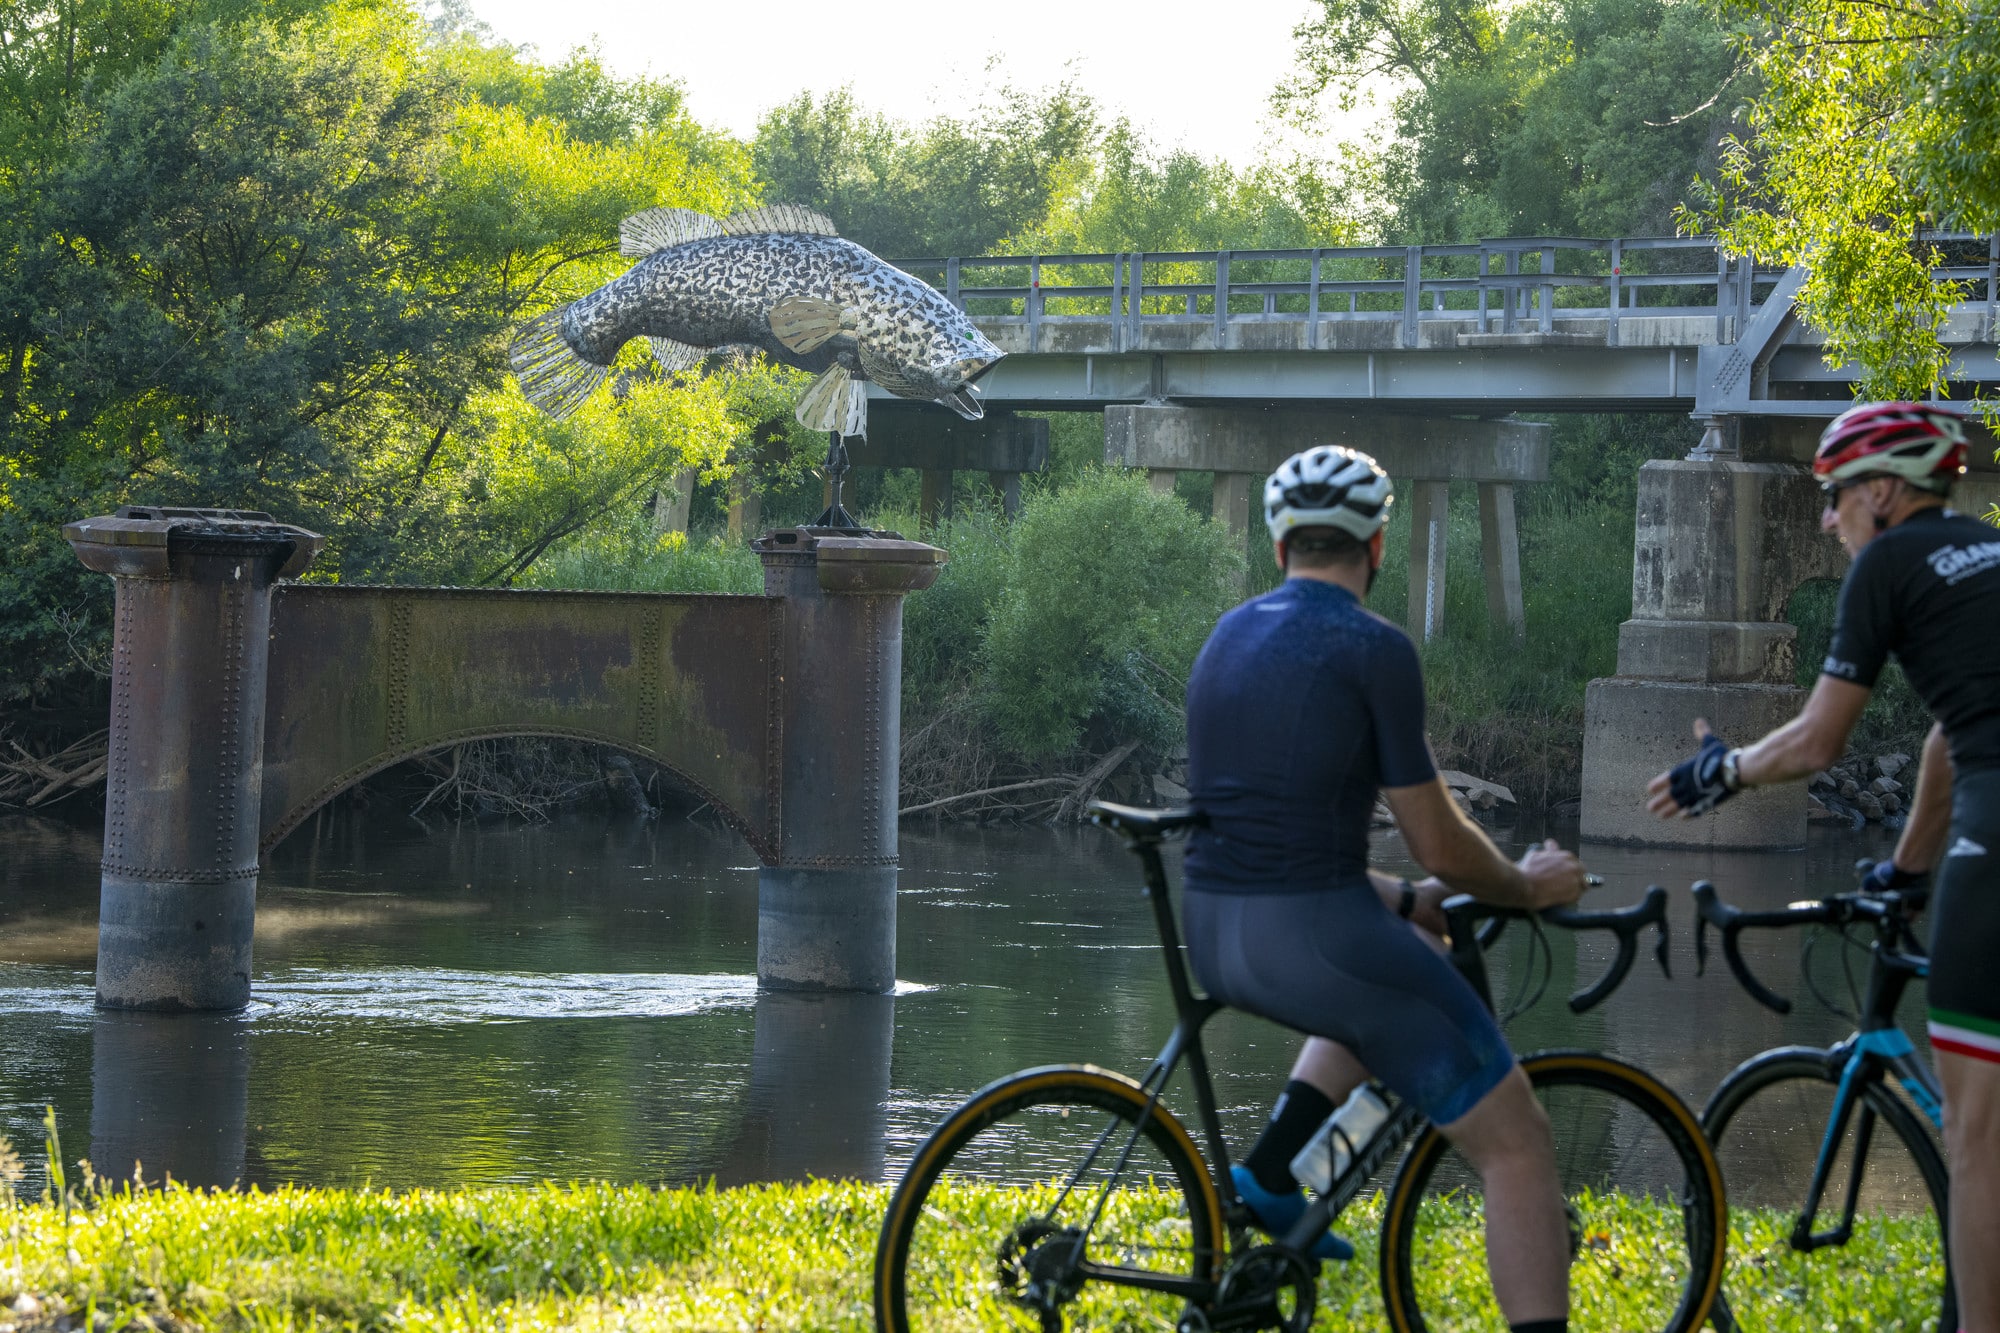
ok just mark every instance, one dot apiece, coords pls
pixel 1729 921
pixel 1625 924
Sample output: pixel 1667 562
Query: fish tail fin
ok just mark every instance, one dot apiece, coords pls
pixel 552 376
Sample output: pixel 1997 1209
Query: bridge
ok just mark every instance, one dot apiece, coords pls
pixel 242 702
pixel 1225 362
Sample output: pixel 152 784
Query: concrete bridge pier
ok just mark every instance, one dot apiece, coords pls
pixel 826 901
pixel 185 766
pixel 1720 548
pixel 1423 455
pixel 938 444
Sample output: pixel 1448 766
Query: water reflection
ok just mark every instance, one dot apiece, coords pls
pixel 817 1104
pixel 473 1005
pixel 169 1096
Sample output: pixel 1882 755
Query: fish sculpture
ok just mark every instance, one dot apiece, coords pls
pixel 777 280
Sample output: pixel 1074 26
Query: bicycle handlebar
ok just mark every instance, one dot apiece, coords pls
pixel 1836 910
pixel 1464 912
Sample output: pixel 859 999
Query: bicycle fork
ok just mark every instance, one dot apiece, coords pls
pixel 1869 1054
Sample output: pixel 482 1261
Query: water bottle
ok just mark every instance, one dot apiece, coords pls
pixel 1326 1155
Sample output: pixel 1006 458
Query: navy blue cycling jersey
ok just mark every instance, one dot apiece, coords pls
pixel 1302 705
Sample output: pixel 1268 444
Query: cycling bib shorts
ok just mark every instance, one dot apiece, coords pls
pixel 1339 964
pixel 1965 923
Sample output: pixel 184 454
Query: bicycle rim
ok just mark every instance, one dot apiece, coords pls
pixel 1768 1121
pixel 978 1232
pixel 1645 1200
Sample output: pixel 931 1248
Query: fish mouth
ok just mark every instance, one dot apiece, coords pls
pixel 961 401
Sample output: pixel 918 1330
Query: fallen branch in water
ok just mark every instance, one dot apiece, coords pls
pixel 28 779
pixel 1087 785
pixel 1061 780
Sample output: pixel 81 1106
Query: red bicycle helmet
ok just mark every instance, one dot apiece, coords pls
pixel 1922 444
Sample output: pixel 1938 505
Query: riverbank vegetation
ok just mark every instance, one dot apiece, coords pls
pixel 767 1257
pixel 269 256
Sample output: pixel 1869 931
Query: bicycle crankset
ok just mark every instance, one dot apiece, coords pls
pixel 1268 1287
pixel 1037 1268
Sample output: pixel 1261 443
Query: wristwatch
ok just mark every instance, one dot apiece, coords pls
pixel 1731 778
pixel 1408 902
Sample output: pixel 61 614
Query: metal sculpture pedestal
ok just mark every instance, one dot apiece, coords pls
pixel 836 470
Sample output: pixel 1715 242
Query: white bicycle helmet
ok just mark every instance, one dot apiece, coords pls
pixel 1329 486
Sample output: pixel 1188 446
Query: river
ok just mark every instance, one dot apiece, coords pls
pixel 472 1004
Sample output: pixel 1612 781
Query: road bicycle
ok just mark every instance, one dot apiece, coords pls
pixel 1070 1196
pixel 1825 1106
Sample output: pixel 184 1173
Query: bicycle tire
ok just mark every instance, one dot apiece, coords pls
pixel 1623 1274
pixel 1796 1085
pixel 936 1268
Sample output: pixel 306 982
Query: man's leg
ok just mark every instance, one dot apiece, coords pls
pixel 1322 1077
pixel 1972 1145
pixel 1506 1137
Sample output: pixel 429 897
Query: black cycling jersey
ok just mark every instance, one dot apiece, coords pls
pixel 1928 591
pixel 1302 704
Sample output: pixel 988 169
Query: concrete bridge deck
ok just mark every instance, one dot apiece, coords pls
pixel 1520 324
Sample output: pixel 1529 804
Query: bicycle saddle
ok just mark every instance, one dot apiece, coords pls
pixel 1133 822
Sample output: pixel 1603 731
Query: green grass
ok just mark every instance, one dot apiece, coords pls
pixel 628 1257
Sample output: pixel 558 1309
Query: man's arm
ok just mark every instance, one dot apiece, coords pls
pixel 1811 741
pixel 1930 808
pixel 1449 845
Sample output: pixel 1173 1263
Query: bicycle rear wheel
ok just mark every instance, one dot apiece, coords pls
pixel 1647 1215
pixel 1768 1121
pixel 1033 1172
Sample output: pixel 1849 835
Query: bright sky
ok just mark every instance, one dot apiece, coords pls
pixel 1198 76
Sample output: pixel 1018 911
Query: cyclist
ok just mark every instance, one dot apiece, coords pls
pixel 1302 706
pixel 1925 587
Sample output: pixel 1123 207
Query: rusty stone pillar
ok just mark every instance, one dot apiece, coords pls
pixel 185 770
pixel 826 905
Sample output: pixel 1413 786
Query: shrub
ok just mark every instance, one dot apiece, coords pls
pixel 1110 592
pixel 944 626
pixel 637 561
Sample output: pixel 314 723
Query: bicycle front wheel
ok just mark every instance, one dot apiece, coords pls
pixel 1769 1121
pixel 1647 1216
pixel 1051 1199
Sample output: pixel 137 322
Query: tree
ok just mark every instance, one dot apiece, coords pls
pixel 274 263
pixel 1876 128
pixel 948 186
pixel 1580 117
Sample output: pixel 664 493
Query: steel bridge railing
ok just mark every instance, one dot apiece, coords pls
pixel 1490 284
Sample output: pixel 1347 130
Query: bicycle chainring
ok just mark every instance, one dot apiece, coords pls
pixel 1255 1290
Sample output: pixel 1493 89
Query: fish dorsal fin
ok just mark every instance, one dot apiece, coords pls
pixel 795 218
pixel 657 228
pixel 835 401
pixel 803 323
pixel 676 356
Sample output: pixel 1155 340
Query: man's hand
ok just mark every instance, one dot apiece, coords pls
pixel 1695 785
pixel 1429 911
pixel 1554 876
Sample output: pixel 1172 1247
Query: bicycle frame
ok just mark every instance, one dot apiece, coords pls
pixel 1879 1047
pixel 1470 939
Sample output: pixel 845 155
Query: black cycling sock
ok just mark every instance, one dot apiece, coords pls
pixel 1301 1109
pixel 1541 1326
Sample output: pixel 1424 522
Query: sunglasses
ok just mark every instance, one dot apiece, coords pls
pixel 1832 489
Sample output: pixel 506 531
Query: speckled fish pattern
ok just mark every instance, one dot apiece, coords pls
pixel 718 292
